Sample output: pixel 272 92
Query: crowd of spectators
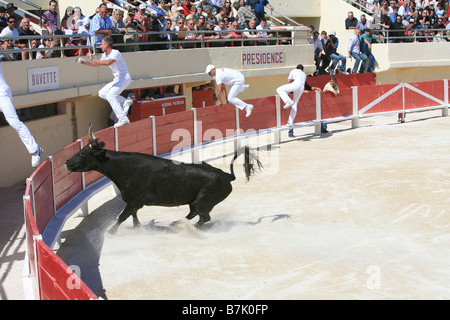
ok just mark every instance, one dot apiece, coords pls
pixel 405 21
pixel 130 25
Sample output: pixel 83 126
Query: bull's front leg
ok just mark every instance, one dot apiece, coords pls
pixel 128 211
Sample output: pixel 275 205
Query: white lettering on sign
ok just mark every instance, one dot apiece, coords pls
pixel 262 58
pixel 43 79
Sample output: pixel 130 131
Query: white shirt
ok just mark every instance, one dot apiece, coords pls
pixel 119 67
pixel 298 77
pixel 354 44
pixel 5 91
pixel 39 55
pixel 7 32
pixel 228 76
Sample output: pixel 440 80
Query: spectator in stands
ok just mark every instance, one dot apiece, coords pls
pixel 152 7
pixel 77 15
pixel 159 24
pixel 217 4
pixel 11 31
pixel 210 15
pixel 392 6
pixel 179 14
pixel 229 10
pixel 119 24
pixel 384 7
pixel 404 10
pixel 236 34
pixel 201 23
pixel 84 26
pixel 220 15
pixel 399 31
pixel 26 29
pixel 330 46
pixel 6 45
pixel 244 13
pixel 3 18
pixel 330 86
pixel 251 32
pixel 146 26
pixel 393 15
pixel 258 7
pixel 187 7
pixel 45 52
pixel 354 51
pixel 367 39
pixel 50 17
pixel 439 24
pixel 76 42
pixel 67 14
pixel 10 10
pixel 364 23
pixel 351 21
pixel 222 32
pixel 191 34
pixel 263 31
pixel 101 25
pixel 318 52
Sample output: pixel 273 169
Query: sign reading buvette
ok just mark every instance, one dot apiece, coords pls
pixel 43 79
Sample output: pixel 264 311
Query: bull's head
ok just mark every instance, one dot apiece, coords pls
pixel 89 157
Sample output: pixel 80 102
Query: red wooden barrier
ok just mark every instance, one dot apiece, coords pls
pixel 136 137
pixel 43 195
pixel 306 109
pixel 344 81
pixel 337 106
pixel 216 122
pixel 369 94
pixel 415 99
pixel 202 96
pixel 31 231
pixel 264 115
pixel 67 184
pixel 179 126
pixel 145 109
pixel 57 281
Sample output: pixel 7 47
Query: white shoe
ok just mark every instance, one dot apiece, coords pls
pixel 249 109
pixel 122 122
pixel 126 105
pixel 288 104
pixel 290 124
pixel 36 157
pixel 246 86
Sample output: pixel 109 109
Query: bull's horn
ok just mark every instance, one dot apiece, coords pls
pixel 92 138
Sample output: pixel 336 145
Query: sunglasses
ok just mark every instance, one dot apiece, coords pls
pixel 11 21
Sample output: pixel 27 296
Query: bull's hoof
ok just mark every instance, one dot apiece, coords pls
pixel 112 231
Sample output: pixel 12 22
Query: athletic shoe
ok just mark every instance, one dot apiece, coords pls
pixel 246 86
pixel 36 157
pixel 288 104
pixel 126 105
pixel 122 122
pixel 249 109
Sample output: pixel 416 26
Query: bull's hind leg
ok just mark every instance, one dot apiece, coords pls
pixel 192 213
pixel 207 200
pixel 128 211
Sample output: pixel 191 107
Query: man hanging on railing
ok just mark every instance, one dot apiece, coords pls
pixel 258 7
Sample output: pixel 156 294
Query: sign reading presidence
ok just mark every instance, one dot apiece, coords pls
pixel 263 58
pixel 43 79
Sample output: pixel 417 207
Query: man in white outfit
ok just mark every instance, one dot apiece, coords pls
pixel 296 84
pixel 122 79
pixel 236 81
pixel 10 114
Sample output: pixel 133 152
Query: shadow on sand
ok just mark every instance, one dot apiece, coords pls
pixel 82 246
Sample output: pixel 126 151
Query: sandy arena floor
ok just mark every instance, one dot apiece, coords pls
pixel 353 214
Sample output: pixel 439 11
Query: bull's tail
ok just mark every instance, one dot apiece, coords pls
pixel 251 159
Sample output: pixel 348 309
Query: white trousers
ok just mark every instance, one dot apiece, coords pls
pixel 232 95
pixel 111 93
pixel 10 113
pixel 283 93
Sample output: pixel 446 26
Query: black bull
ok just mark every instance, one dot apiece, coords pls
pixel 146 180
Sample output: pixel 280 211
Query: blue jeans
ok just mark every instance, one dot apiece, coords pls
pixel 336 57
pixel 358 57
pixel 366 51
